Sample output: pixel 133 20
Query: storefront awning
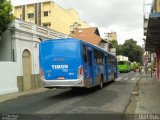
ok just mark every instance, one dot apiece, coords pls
pixel 153 33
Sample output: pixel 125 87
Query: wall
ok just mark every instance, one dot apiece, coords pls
pixel 105 46
pixel 61 19
pixel 30 9
pixel 112 36
pixel 18 11
pixel 5 47
pixel 8 77
pixel 21 45
pixel 24 36
pixel 113 51
pixel 46 7
pixel 157 5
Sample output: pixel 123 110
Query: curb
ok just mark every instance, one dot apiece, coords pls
pixel 10 96
pixel 130 100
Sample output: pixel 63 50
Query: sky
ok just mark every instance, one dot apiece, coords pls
pixel 125 17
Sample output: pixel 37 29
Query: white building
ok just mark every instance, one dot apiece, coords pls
pixel 122 58
pixel 19 52
pixel 106 45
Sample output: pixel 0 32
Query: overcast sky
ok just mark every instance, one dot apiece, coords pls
pixel 122 16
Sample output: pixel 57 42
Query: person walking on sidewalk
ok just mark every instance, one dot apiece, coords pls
pixel 134 69
pixel 139 69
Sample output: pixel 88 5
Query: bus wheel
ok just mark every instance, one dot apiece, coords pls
pixel 101 83
pixel 114 77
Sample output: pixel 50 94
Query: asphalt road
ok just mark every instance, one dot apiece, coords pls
pixel 68 104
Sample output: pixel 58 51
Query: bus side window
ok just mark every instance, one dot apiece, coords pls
pixel 109 59
pixel 84 53
pixel 95 57
pixel 98 57
pixel 89 54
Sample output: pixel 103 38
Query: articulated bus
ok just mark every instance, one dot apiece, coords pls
pixel 73 63
pixel 124 66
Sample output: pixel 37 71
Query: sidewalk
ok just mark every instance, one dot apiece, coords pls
pixel 148 100
pixel 15 95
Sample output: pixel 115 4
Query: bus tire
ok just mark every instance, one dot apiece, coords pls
pixel 114 77
pixel 101 83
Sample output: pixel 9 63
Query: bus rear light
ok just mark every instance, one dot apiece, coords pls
pixel 80 71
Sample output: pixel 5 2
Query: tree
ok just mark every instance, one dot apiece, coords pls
pixel 118 47
pixel 133 51
pixel 114 43
pixel 119 50
pixel 5 15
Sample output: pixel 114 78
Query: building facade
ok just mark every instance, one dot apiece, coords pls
pixel 51 15
pixel 19 51
pixel 92 35
pixel 152 42
pixel 112 36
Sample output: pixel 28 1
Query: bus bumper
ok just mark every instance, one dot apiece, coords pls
pixel 63 83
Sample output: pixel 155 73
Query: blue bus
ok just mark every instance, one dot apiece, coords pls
pixel 73 63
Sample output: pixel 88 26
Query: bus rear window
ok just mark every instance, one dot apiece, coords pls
pixel 54 49
pixel 121 63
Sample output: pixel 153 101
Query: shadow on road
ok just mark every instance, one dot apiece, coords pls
pixel 73 92
pixel 29 104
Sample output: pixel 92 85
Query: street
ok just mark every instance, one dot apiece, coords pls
pixel 79 60
pixel 112 99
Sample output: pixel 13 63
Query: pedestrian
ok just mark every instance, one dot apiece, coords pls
pixel 154 71
pixel 134 69
pixel 139 69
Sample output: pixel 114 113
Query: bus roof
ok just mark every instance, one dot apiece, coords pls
pixel 78 40
pixel 99 48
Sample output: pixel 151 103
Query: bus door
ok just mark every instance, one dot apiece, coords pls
pixel 110 68
pixel 90 63
pixel 106 67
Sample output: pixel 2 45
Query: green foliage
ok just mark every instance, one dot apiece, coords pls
pixel 133 51
pixel 5 15
pixel 114 43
